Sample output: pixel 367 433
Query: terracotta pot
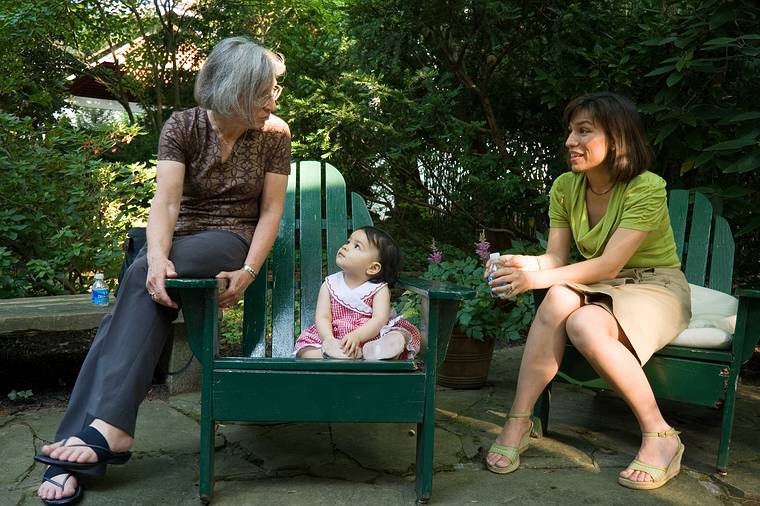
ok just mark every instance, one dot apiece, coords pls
pixel 467 362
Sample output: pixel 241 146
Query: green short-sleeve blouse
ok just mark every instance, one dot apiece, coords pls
pixel 640 204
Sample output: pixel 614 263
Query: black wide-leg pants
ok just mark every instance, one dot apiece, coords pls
pixel 117 372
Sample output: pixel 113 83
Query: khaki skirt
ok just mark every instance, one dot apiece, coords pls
pixel 652 306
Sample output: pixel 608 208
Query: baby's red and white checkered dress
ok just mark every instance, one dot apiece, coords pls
pixel 346 316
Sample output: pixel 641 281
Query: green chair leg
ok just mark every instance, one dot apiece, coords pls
pixel 727 423
pixel 206 473
pixel 424 471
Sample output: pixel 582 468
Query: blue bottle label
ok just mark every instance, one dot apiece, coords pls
pixel 100 296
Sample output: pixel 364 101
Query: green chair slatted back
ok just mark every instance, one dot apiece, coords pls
pixel 280 388
pixel 708 241
pixel 296 266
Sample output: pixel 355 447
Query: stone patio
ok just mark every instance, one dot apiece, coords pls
pixel 592 437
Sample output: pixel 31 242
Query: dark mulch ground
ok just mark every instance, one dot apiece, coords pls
pixel 48 364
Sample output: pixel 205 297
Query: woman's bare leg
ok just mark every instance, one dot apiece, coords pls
pixel 540 362
pixel 597 335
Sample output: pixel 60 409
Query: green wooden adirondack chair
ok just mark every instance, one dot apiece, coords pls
pixel 705 377
pixel 280 388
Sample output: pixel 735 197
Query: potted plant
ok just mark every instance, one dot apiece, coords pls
pixel 480 321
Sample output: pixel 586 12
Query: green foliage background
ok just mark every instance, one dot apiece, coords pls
pixel 444 114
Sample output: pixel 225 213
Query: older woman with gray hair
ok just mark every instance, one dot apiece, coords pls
pixel 221 177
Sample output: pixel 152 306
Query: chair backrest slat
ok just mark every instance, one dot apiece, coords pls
pixel 699 240
pixel 335 209
pixel 284 274
pixel 722 260
pixel 359 213
pixel 310 235
pixel 254 316
pixel 678 206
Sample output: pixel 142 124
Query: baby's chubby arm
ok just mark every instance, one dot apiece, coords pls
pixel 323 314
pixel 381 312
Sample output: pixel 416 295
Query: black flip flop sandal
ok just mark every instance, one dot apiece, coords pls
pixel 48 477
pixel 94 440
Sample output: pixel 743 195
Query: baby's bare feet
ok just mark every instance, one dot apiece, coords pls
pixel 389 346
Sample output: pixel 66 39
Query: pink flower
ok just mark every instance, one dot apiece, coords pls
pixel 483 247
pixel 436 256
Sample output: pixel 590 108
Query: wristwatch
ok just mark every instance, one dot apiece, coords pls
pixel 247 268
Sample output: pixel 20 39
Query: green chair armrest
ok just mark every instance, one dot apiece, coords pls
pixel 435 289
pixel 749 292
pixel 747 323
pixel 440 302
pixel 194 283
pixel 200 311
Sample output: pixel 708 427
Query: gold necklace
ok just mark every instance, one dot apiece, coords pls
pixel 605 192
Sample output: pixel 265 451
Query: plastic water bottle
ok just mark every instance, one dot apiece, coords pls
pixel 495 266
pixel 99 291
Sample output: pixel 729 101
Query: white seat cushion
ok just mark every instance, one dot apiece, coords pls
pixel 713 320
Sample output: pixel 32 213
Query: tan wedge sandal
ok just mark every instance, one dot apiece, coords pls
pixel 512 453
pixel 659 475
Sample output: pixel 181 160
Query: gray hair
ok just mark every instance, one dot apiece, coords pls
pixel 237 77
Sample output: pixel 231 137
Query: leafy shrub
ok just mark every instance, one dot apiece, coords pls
pixel 64 211
pixel 19 395
pixel 483 316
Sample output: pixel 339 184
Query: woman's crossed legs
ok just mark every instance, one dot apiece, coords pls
pixel 597 335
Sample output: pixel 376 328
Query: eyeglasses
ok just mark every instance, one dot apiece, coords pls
pixel 273 95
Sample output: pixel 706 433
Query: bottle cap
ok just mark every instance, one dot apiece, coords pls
pixel 99 275
pixel 494 256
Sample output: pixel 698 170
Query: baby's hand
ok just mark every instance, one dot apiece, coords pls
pixel 351 345
pixel 332 348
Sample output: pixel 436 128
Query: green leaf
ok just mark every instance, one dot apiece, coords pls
pixel 745 164
pixel 720 41
pixel 659 41
pixel 745 116
pixel 674 78
pixel 732 144
pixel 660 70
pixel 665 132
pixel 702 159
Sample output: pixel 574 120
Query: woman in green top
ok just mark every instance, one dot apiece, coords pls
pixel 623 302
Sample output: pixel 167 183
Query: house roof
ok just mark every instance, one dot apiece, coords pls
pixel 130 60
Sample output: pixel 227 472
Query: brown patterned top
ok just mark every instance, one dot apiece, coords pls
pixel 218 195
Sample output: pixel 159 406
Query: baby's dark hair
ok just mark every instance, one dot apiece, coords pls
pixel 388 252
